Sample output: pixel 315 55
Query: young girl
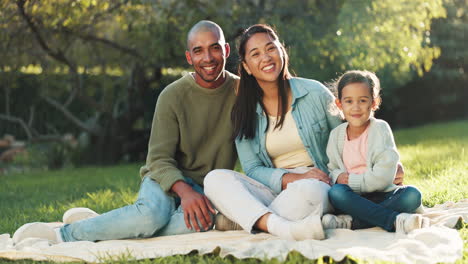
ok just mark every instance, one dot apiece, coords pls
pixel 363 161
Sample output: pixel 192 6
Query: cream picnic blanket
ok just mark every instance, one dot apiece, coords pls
pixel 439 243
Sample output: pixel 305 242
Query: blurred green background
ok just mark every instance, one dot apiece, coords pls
pixel 79 79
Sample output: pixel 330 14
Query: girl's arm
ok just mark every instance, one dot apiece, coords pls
pixel 384 162
pixel 254 167
pixel 335 162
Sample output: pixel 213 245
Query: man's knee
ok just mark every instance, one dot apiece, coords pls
pixel 152 216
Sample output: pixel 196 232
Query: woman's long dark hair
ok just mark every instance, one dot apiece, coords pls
pixel 249 93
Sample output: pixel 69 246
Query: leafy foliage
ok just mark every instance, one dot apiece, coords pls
pixel 399 26
pixel 131 44
pixel 440 94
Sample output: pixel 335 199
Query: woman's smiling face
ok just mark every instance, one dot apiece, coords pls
pixel 264 58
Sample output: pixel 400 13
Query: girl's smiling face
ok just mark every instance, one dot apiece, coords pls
pixel 357 104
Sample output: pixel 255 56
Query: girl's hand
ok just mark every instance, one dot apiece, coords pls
pixel 400 174
pixel 343 178
pixel 313 173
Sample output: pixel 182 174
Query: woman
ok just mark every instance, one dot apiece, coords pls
pixel 281 126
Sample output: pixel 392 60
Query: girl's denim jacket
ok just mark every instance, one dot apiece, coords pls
pixel 311 105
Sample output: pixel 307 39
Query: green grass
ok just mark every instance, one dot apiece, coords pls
pixel 435 159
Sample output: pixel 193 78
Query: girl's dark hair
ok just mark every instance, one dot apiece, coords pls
pixel 366 77
pixel 249 93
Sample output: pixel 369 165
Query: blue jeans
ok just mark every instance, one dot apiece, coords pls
pixel 374 209
pixel 153 214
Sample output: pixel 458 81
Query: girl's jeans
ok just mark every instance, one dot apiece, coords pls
pixel 154 214
pixel 374 209
pixel 244 200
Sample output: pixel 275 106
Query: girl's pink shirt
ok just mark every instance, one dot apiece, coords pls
pixel 355 153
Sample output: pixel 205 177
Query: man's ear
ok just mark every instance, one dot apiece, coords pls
pixel 188 57
pixel 338 103
pixel 228 49
pixel 246 68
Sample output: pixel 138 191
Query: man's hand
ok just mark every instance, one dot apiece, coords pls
pixel 343 178
pixel 400 174
pixel 195 206
pixel 313 173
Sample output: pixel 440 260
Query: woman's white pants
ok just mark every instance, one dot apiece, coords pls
pixel 244 200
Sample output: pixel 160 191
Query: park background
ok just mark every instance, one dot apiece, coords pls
pixel 79 80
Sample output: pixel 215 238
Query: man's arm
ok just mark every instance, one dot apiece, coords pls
pixel 161 163
pixel 162 166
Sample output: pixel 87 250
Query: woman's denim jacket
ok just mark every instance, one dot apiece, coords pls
pixel 311 102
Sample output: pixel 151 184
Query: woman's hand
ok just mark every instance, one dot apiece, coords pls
pixel 313 173
pixel 343 178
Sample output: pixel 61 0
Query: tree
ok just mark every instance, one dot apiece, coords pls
pixel 441 94
pixel 109 58
pixel 81 38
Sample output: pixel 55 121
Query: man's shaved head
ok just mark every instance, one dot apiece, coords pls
pixel 205 26
pixel 207 52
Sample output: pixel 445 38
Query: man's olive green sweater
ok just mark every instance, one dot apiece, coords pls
pixel 191 132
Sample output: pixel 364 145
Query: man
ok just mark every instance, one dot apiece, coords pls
pixel 190 136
